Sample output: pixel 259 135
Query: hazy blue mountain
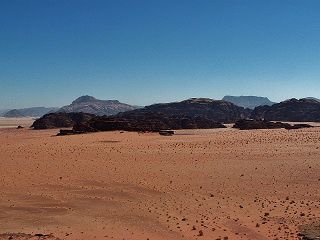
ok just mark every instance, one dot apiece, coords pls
pixel 3 111
pixel 250 102
pixel 29 112
pixel 89 104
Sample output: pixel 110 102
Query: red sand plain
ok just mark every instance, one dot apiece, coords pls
pixel 197 184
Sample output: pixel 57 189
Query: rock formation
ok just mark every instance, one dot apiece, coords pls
pixel 292 110
pixel 195 113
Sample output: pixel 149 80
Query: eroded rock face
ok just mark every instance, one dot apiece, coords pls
pixel 246 124
pixel 293 110
pixel 61 120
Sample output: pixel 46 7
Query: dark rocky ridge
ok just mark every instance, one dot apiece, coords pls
pixel 292 110
pixel 89 104
pixel 61 120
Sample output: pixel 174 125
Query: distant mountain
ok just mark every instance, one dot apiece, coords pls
pixel 292 110
pixel 313 98
pixel 3 111
pixel 28 112
pixel 89 104
pixel 248 101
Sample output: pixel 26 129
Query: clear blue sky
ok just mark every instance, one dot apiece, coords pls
pixel 141 52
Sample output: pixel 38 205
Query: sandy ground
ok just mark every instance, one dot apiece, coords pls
pixel 201 184
pixel 14 122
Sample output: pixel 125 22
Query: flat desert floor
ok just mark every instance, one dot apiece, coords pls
pixel 197 184
pixel 15 122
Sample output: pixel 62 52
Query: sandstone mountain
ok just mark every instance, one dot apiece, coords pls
pixel 292 110
pixel 248 101
pixel 89 104
pixel 28 112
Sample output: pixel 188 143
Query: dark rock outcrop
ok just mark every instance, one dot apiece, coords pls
pixel 61 120
pixel 246 124
pixel 250 102
pixel 293 110
pixel 89 104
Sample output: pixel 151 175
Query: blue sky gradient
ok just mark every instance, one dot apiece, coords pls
pixel 147 51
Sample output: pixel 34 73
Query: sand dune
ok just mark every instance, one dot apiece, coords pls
pixel 197 184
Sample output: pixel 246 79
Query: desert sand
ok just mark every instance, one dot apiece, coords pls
pixel 197 184
pixel 14 122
